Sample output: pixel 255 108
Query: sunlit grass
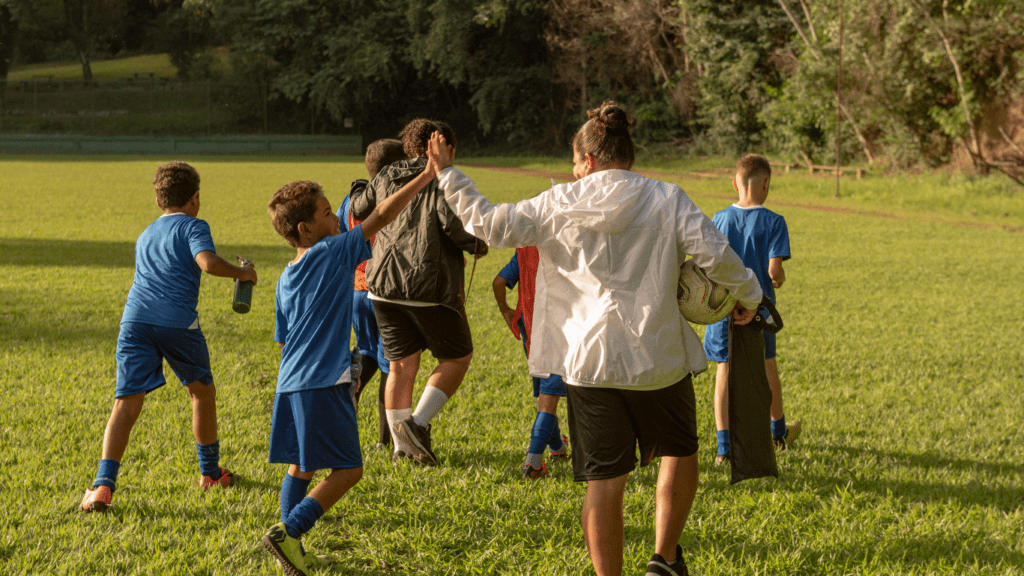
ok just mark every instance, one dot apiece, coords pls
pixel 902 355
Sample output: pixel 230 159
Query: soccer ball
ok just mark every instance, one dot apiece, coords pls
pixel 701 299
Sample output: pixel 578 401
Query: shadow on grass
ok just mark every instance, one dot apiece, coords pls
pixel 976 492
pixel 106 254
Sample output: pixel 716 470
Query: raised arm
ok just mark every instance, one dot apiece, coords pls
pixel 392 206
pixel 214 265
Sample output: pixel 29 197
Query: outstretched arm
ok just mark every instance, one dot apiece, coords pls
pixel 392 206
pixel 214 265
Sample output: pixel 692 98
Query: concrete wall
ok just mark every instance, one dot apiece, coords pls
pixel 127 145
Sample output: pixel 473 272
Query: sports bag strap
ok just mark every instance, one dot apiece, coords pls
pixel 767 317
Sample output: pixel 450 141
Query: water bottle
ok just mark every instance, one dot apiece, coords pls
pixel 243 291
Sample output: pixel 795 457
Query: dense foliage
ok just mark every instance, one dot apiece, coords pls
pixel 922 80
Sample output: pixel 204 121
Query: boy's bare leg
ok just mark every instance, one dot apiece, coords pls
pixel 677 487
pixel 398 392
pixel 204 411
pixel 547 403
pixel 722 396
pixel 603 527
pixel 125 412
pixel 329 490
pixel 772 370
pixel 449 374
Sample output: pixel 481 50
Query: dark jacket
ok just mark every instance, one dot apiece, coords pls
pixel 419 255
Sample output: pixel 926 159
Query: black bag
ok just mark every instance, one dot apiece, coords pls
pixel 750 397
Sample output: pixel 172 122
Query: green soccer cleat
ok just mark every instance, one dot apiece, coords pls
pixel 286 549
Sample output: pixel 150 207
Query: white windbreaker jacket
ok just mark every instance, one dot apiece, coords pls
pixel 610 245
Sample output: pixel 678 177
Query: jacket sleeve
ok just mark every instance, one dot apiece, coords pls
pixel 454 229
pixel 697 236
pixel 498 225
pixel 364 197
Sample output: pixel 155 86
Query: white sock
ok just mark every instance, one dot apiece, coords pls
pixel 394 417
pixel 431 402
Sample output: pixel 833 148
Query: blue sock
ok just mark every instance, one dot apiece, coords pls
pixel 209 459
pixel 293 490
pixel 543 426
pixel 723 442
pixel 302 517
pixel 555 442
pixel 779 427
pixel 106 475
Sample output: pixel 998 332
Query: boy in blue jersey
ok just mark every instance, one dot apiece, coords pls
pixel 160 322
pixel 522 270
pixel 314 423
pixel 761 239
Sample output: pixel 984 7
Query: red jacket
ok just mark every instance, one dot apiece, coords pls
pixel 528 258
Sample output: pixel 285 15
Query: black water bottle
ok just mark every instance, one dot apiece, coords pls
pixel 243 291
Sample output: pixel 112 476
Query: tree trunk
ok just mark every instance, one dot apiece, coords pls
pixel 77 21
pixel 8 34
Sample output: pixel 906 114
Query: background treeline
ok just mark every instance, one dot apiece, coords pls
pixel 923 80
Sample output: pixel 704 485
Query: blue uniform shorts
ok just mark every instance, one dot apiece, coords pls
pixel 141 349
pixel 315 429
pixel 716 342
pixel 552 385
pixel 364 323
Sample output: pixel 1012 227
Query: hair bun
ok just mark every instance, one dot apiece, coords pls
pixel 611 118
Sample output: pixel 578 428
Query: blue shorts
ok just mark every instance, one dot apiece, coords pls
pixel 552 385
pixel 315 429
pixel 364 323
pixel 141 349
pixel 716 342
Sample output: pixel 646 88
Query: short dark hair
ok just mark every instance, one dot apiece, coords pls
pixel 753 166
pixel 417 133
pixel 383 152
pixel 291 204
pixel 175 184
pixel 605 136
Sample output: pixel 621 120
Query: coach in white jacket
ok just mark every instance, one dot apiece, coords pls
pixel 606 320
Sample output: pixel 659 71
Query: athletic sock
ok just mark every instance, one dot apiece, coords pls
pixel 293 490
pixel 723 442
pixel 534 460
pixel 106 475
pixel 555 442
pixel 431 402
pixel 302 517
pixel 394 417
pixel 545 432
pixel 779 427
pixel 209 459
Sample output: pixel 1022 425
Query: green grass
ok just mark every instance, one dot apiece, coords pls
pixel 901 354
pixel 159 64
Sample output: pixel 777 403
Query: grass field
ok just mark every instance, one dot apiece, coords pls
pixel 902 355
pixel 159 64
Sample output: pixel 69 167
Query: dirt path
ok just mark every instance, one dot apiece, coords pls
pixel 708 175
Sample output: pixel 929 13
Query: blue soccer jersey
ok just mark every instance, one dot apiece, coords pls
pixel 165 291
pixel 314 313
pixel 510 273
pixel 757 235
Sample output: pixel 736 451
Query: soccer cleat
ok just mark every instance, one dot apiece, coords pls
pixel 227 478
pixel 418 438
pixel 286 549
pixel 531 473
pixel 792 433
pixel 97 499
pixel 659 567
pixel 560 454
pixel 317 561
pixel 721 460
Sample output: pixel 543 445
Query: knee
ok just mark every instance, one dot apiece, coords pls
pixel 200 392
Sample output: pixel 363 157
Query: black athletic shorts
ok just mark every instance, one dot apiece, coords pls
pixel 607 424
pixel 406 330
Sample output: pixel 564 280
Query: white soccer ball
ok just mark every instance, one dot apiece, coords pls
pixel 701 299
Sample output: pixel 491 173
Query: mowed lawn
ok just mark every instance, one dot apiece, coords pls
pixel 902 355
